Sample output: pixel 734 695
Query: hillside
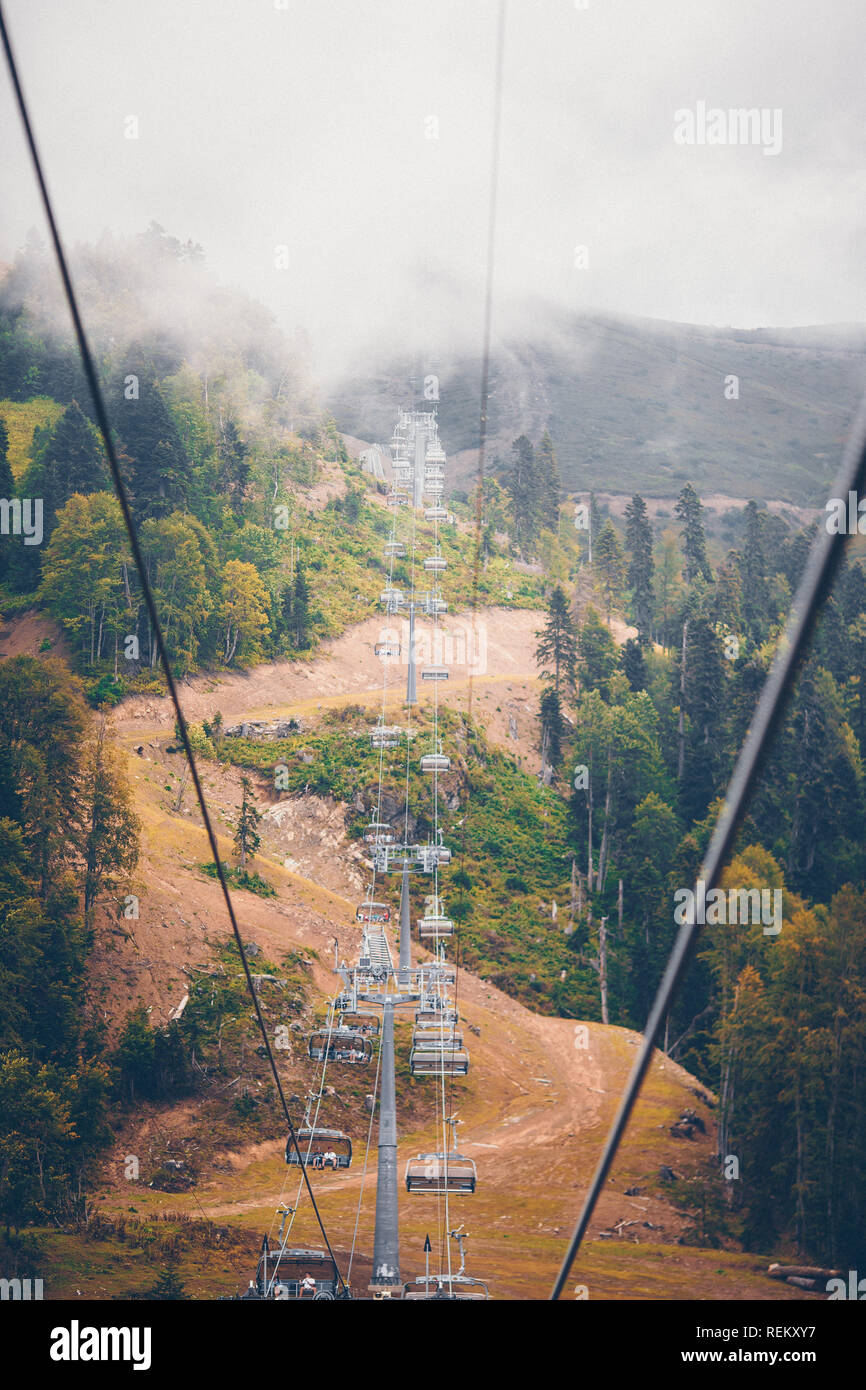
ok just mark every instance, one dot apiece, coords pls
pixel 535 1106
pixel 639 405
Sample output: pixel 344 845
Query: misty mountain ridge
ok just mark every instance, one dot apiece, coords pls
pixel 639 404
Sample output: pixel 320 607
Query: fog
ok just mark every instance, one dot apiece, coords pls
pixel 357 135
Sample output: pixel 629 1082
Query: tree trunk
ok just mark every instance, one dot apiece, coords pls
pixel 681 723
pixel 602 967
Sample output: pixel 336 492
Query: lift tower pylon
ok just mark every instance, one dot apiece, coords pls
pixel 405 930
pixel 386 1242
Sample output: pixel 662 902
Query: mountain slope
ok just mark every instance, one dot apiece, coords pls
pixel 639 405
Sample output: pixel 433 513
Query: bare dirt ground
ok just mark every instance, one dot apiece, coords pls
pixel 25 635
pixel 493 675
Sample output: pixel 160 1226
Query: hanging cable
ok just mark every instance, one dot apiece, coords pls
pixel 821 566
pixel 103 423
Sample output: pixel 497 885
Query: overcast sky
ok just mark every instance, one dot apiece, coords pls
pixel 307 126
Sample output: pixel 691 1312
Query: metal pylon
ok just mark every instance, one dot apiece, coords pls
pixel 405 931
pixel 386 1241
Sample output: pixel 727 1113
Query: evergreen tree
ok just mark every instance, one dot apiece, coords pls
pixel 753 574
pixel 691 514
pixel 550 484
pixel 286 627
pixel 597 653
pixel 158 468
pixel 610 564
pixel 557 644
pixel 300 627
pixel 634 665
pixel 169 1284
pixel 72 460
pixel 551 726
pixel 234 468
pixel 639 542
pixel 247 838
pixel 521 485
pixel 704 703
pixel 111 828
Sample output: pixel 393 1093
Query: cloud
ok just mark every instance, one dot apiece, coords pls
pixel 309 127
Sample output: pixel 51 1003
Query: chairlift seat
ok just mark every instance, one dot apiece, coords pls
pixel 441 1174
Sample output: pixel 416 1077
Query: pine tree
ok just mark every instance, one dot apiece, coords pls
pixel 169 1284
pixel 694 543
pixel 300 613
pixel 247 838
pixel 639 542
pixel 234 469
pixel 158 471
pixel 557 644
pixel 520 483
pixel 551 726
pixel 597 655
pixel 547 467
pixel 286 612
pixel 610 564
pixel 634 665
pixel 704 702
pixel 753 573
pixel 73 461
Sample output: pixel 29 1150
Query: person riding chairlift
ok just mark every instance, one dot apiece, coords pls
pixel 308 1285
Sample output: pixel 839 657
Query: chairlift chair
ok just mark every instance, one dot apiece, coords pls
pixel 315 1144
pixel 441 1174
pixel 435 514
pixel 431 928
pixel 371 912
pixel 444 1036
pixel 342 1045
pixel 435 762
pixel 359 1021
pixel 432 604
pixel 302 1275
pixel 433 1061
pixel 379 833
pixel 385 736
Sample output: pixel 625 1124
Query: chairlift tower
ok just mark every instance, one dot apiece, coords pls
pixel 386 1241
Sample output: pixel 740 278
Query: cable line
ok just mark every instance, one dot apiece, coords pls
pixel 821 567
pixel 123 500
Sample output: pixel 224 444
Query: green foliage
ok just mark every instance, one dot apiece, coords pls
pixel 609 563
pixel 641 567
pixel 242 878
pixel 557 644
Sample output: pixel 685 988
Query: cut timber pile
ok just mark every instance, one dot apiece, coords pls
pixel 803 1276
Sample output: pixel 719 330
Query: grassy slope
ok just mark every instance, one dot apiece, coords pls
pixel 21 419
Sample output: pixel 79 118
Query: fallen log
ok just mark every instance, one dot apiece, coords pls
pixel 777 1271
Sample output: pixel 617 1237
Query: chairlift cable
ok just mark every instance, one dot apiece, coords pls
pixel 104 426
pixel 817 579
